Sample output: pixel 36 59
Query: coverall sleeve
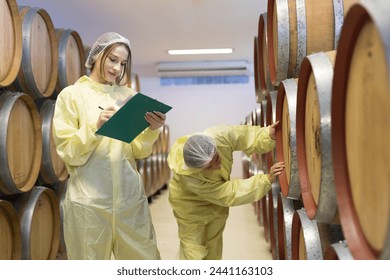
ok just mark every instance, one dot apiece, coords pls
pixel 247 138
pixel 142 145
pixel 74 141
pixel 230 193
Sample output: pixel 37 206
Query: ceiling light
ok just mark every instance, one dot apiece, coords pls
pixel 201 51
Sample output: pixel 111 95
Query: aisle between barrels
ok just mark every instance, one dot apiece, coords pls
pixel 243 236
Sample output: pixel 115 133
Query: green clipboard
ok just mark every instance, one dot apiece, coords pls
pixel 128 122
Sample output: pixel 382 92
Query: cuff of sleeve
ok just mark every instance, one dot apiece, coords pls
pixel 152 132
pixel 94 129
pixel 270 141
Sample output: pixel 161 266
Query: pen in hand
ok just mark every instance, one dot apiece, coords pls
pixel 100 107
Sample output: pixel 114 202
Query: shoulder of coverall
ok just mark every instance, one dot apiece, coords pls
pixel 222 133
pixel 176 159
pixel 86 81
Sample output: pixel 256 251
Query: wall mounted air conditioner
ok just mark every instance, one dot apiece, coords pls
pixel 203 68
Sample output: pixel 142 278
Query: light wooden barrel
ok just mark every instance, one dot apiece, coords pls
pixel 257 119
pixel 286 208
pixel 256 72
pixel 60 190
pixel 71 58
pixel 273 195
pixel 310 239
pixel 39 69
pixel 361 129
pixel 297 28
pixel 20 143
pixel 285 213
pixel 157 146
pixel 53 169
pixel 134 82
pixel 10 234
pixel 270 118
pixel 314 149
pixel 165 139
pixel 10 42
pixel 265 81
pixel 264 213
pixel 338 251
pixel 167 173
pixel 286 143
pixel 39 215
pixel 142 167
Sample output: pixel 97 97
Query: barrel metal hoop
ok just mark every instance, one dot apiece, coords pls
pixel 302 34
pixel 323 74
pixel 290 86
pixel 283 40
pixel 62 57
pixel 26 57
pixel 311 236
pixel 6 108
pixel 338 12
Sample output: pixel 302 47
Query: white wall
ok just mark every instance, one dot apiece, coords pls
pixel 201 106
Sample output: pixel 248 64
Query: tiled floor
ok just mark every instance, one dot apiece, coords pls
pixel 243 236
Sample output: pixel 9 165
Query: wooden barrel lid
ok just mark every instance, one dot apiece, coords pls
pixel 10 234
pixel 11 42
pixel 20 143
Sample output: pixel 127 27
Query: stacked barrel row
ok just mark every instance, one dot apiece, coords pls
pixel 36 62
pixel 154 169
pixel 331 96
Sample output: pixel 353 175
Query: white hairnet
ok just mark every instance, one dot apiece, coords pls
pixel 102 43
pixel 199 150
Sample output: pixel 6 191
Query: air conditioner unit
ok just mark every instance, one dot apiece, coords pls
pixel 203 68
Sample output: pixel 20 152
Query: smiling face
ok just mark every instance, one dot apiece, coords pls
pixel 111 65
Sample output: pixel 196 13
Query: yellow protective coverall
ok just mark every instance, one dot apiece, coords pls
pixel 105 208
pixel 201 199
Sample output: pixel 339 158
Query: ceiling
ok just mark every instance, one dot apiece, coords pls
pixel 155 26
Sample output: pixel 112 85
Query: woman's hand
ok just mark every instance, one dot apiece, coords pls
pixel 105 114
pixel 276 170
pixel 155 119
pixel 272 130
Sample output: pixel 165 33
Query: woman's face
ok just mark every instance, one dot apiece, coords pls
pixel 113 66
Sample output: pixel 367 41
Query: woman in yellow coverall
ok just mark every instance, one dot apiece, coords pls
pixel 105 207
pixel 201 191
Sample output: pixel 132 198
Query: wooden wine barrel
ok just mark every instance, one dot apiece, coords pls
pixel 285 214
pixel 256 73
pixel 297 28
pixel 286 143
pixel 265 81
pixel 167 173
pixel 157 146
pixel 20 143
pixel 71 58
pixel 273 195
pixel 257 120
pixel 142 167
pixel 310 239
pixel 10 234
pixel 270 118
pixel 361 129
pixel 39 69
pixel 53 168
pixel 39 215
pixel 314 149
pixel 60 190
pixel 134 82
pixel 338 251
pixel 10 42
pixel 165 139
pixel 265 209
